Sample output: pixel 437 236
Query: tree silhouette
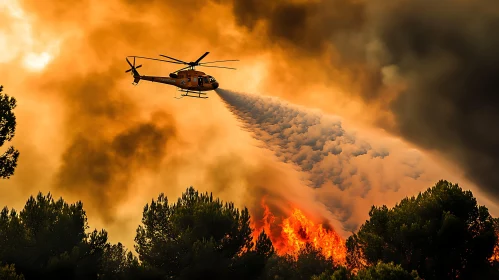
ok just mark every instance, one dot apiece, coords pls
pixel 251 264
pixel 307 263
pixel 8 160
pixel 441 233
pixel 386 271
pixel 342 273
pixel 47 240
pixel 118 263
pixel 197 237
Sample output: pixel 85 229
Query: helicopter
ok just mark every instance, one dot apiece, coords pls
pixel 187 79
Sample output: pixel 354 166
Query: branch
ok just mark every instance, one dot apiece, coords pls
pixel 7 117
pixel 8 163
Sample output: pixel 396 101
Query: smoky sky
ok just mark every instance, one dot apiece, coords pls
pixel 444 53
pixel 110 143
pixel 109 146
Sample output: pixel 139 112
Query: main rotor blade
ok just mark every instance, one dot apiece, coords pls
pixel 183 62
pixel 203 56
pixel 182 69
pixel 138 66
pixel 218 67
pixel 157 59
pixel 219 61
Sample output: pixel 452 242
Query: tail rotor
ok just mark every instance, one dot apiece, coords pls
pixel 133 69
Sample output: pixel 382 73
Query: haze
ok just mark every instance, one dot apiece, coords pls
pixel 85 133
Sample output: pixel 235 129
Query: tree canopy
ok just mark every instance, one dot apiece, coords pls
pixel 47 239
pixel 442 234
pixel 200 236
pixel 8 159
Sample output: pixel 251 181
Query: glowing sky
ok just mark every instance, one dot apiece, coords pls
pixel 84 132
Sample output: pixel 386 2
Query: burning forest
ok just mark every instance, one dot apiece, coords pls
pixel 291 233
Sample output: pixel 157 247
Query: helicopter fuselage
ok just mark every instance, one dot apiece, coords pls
pixel 189 80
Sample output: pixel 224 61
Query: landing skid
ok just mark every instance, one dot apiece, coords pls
pixel 186 94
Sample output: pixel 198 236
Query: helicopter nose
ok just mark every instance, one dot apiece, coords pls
pixel 215 85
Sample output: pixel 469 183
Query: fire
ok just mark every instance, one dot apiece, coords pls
pixel 495 254
pixel 295 231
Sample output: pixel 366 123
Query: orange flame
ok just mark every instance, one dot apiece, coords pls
pixel 295 231
pixel 495 254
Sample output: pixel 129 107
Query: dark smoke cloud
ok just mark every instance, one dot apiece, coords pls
pixel 103 170
pixel 110 146
pixel 450 61
pixel 302 23
pixel 444 54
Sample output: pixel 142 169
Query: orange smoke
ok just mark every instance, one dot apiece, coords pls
pixel 295 231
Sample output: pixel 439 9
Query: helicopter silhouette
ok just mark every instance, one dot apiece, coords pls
pixel 187 79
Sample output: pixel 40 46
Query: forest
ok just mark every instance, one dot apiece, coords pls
pixel 441 233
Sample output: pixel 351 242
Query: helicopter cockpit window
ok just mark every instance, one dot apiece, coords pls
pixel 212 80
pixel 206 80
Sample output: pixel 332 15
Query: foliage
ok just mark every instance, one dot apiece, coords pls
pixel 8 160
pixel 195 237
pixel 342 273
pixel 308 262
pixel 250 265
pixel 117 263
pixel 8 272
pixel 441 233
pixel 386 271
pixel 201 237
pixel 47 239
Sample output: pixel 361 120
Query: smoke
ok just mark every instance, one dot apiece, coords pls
pixel 451 101
pixel 115 146
pixel 86 134
pixel 109 144
pixel 433 67
pixel 102 139
pixel 344 166
pixel 101 171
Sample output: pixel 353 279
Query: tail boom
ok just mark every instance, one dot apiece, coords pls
pixel 156 79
